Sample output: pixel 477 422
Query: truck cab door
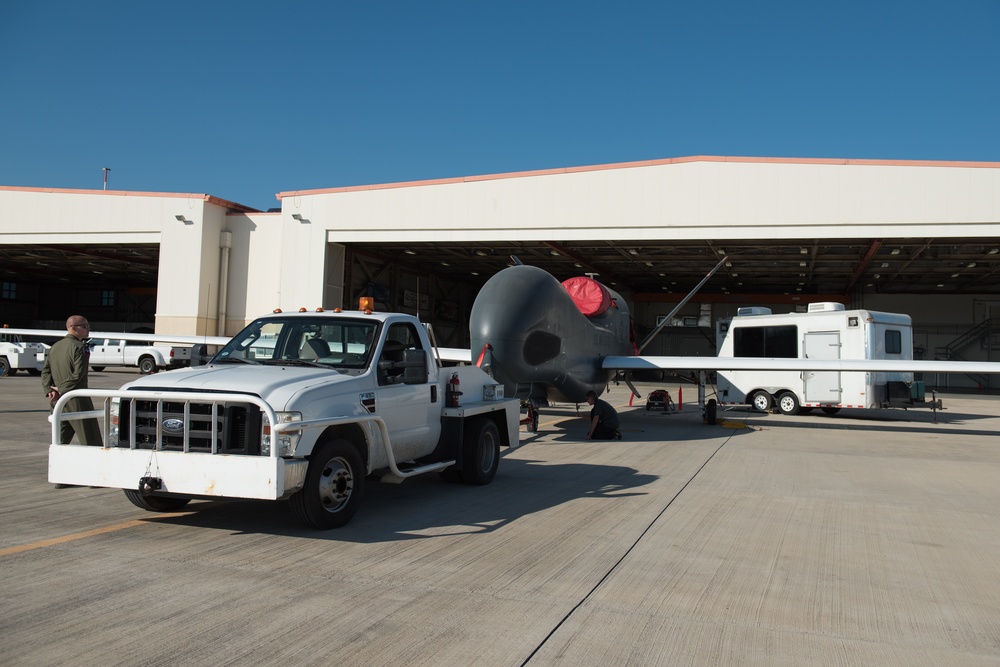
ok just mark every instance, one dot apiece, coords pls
pixel 412 412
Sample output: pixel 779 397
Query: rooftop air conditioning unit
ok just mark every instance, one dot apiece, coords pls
pixel 753 310
pixel 825 307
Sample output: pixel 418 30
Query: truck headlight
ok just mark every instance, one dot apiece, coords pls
pixel 286 442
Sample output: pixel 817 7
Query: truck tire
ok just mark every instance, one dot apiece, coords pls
pixel 761 401
pixel 333 488
pixel 787 403
pixel 480 452
pixel 830 411
pixel 155 503
pixel 34 371
pixel 97 369
pixel 4 367
pixel 147 365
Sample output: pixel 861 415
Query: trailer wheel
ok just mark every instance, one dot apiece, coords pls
pixel 4 367
pixel 761 401
pixel 155 503
pixel 831 411
pixel 787 403
pixel 97 369
pixel 480 452
pixel 333 488
pixel 147 366
pixel 34 371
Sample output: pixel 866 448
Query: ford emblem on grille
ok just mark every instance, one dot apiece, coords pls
pixel 173 425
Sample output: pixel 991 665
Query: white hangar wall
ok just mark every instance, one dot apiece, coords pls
pixel 690 198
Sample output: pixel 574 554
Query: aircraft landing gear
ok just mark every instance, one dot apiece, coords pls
pixel 531 421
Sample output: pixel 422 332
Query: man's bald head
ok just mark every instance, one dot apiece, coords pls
pixel 78 326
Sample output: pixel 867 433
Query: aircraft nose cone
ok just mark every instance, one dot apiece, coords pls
pixel 515 313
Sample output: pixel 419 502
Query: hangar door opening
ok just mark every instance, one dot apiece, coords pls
pixel 114 285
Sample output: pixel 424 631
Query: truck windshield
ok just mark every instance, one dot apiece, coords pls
pixel 337 343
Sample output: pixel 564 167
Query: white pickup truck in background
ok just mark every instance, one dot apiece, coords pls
pixel 147 357
pixel 17 355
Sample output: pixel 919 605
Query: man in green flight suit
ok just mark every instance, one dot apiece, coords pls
pixel 66 369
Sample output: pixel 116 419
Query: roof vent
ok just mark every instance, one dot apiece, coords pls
pixel 825 307
pixel 753 310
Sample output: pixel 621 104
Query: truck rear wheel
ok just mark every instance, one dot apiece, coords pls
pixel 147 366
pixel 97 369
pixel 761 401
pixel 334 484
pixel 480 452
pixel 155 503
pixel 787 403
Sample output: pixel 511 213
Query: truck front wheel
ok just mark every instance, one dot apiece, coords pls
pixel 147 365
pixel 480 452
pixel 4 367
pixel 334 484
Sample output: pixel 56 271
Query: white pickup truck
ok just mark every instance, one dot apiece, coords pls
pixel 298 406
pixel 148 358
pixel 17 355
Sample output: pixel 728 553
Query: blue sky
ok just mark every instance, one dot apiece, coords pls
pixel 242 100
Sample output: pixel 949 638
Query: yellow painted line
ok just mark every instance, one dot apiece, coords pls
pixel 9 551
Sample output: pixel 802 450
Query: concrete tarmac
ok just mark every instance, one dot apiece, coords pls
pixel 869 539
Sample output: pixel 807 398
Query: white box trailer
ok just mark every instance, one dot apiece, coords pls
pixel 825 331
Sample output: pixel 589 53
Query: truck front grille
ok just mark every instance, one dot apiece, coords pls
pixel 224 428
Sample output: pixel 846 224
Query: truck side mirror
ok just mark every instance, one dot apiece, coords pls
pixel 414 367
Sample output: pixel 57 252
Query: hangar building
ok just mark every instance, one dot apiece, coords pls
pixel 922 238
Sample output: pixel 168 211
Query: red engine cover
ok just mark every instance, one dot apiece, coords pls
pixel 590 296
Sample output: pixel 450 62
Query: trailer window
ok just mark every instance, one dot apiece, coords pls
pixel 780 342
pixel 893 341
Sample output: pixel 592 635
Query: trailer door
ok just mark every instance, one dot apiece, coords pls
pixel 822 386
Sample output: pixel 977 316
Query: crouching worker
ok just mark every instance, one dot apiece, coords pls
pixel 603 420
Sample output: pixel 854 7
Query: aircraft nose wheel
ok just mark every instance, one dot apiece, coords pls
pixel 531 420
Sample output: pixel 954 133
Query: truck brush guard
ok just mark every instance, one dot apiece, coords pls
pixel 214 423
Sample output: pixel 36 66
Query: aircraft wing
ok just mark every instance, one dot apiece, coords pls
pixel 772 364
pixel 118 335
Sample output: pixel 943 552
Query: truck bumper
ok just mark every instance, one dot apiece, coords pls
pixel 185 473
